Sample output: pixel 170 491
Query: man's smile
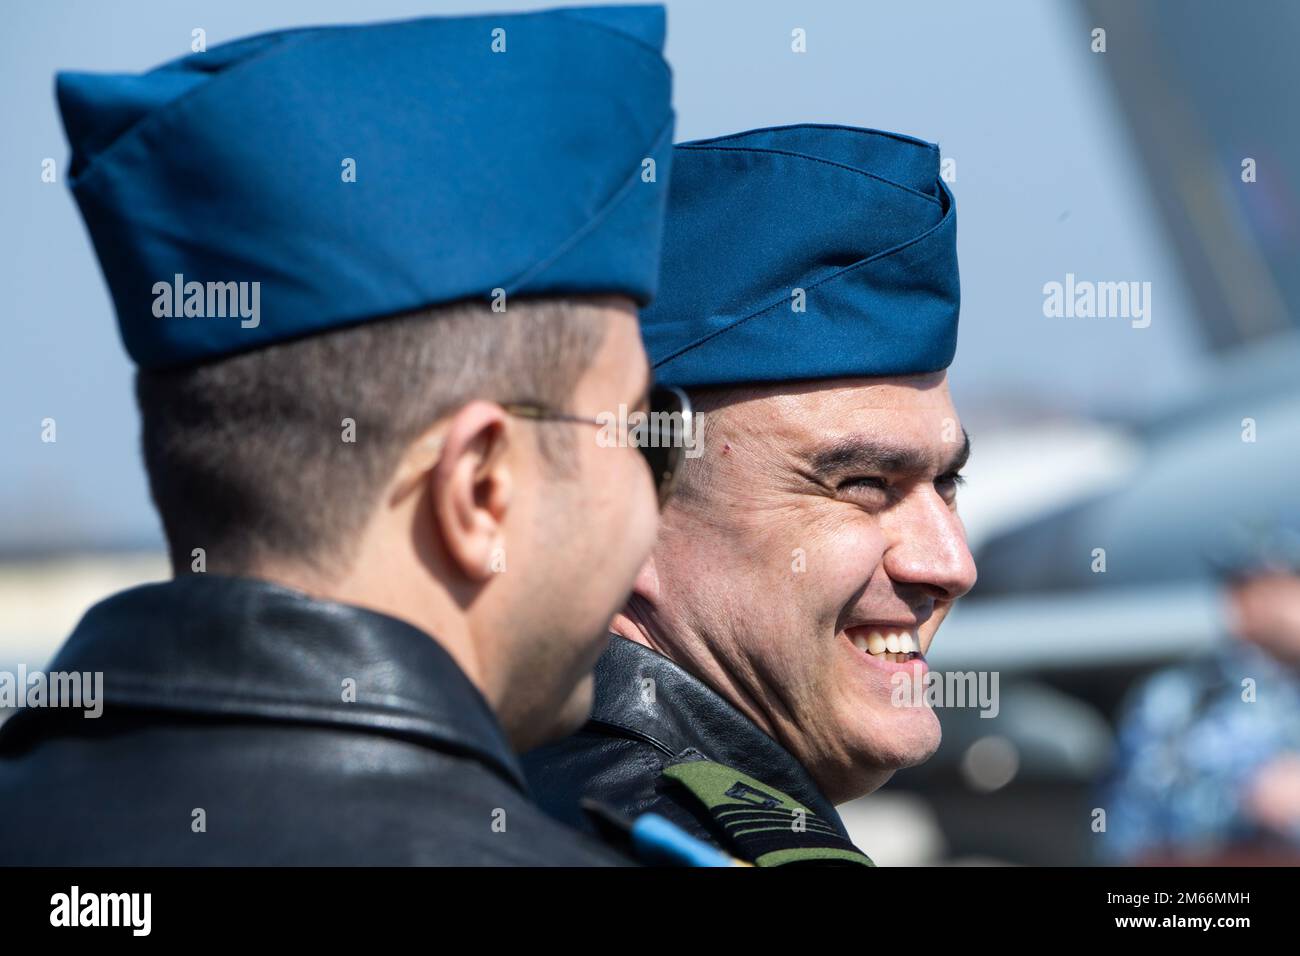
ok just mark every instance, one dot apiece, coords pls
pixel 892 647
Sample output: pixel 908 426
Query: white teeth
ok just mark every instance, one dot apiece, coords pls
pixel 890 645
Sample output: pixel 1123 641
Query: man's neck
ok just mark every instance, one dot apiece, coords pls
pixel 434 613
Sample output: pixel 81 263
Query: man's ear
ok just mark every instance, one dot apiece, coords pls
pixel 470 488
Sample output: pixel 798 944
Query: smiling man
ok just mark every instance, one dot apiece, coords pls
pixel 809 302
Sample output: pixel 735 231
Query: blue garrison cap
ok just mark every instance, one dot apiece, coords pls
pixel 494 152
pixel 857 219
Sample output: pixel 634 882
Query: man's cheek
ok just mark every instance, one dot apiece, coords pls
pixel 846 558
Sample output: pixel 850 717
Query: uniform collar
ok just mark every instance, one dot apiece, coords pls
pixel 210 645
pixel 685 713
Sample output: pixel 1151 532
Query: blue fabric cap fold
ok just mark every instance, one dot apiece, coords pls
pixel 857 219
pixel 475 170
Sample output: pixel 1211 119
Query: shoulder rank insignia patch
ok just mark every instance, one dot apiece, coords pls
pixel 763 824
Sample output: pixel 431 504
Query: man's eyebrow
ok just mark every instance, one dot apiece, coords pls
pixel 958 461
pixel 860 453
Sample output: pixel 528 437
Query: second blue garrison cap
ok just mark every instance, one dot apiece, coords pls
pixel 503 151
pixel 858 220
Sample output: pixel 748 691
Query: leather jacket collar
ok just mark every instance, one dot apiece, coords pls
pixel 212 645
pixel 685 713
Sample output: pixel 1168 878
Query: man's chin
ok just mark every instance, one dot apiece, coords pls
pixel 544 727
pixel 576 709
pixel 868 757
pixel 908 739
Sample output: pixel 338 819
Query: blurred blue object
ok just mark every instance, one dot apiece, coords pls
pixel 1190 741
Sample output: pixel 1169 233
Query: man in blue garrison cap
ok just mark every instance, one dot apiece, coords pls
pixel 376 280
pixel 770 663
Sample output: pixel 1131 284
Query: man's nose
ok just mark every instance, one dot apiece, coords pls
pixel 926 547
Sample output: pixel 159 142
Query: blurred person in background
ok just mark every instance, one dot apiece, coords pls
pixel 1208 761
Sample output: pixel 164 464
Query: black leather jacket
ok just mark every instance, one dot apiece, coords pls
pixel 225 706
pixel 634 735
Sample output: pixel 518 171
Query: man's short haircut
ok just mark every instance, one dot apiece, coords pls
pixel 247 457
